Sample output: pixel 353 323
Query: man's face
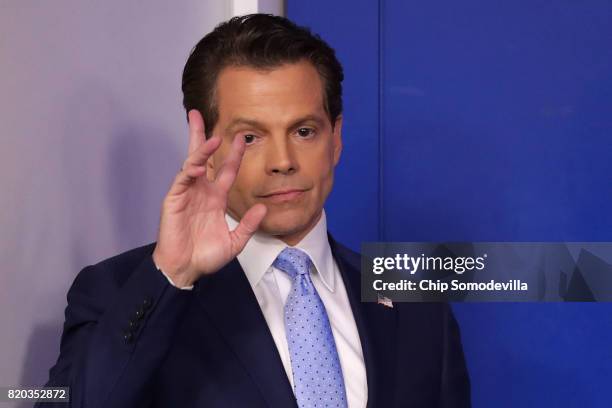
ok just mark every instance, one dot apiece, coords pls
pixel 290 144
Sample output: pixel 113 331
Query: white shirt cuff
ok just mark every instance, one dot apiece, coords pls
pixel 170 280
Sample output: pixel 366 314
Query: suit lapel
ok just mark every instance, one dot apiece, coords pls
pixel 377 326
pixel 231 304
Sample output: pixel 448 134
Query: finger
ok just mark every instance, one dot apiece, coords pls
pixel 248 226
pixel 202 153
pixel 196 130
pixel 185 178
pixel 229 169
pixel 193 172
pixel 194 167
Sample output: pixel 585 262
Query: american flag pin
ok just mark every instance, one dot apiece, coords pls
pixel 385 301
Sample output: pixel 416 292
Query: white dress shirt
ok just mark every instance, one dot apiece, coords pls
pixel 271 287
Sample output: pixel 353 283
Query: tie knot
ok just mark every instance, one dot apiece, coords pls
pixel 293 261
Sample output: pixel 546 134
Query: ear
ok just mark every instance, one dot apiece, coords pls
pixel 337 139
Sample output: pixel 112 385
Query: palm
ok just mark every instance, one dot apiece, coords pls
pixel 193 232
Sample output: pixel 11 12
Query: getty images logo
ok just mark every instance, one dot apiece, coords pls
pixel 413 264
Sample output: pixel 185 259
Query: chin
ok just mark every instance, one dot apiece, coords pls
pixel 284 222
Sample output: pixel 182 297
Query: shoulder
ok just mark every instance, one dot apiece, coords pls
pixel 434 313
pixel 344 254
pixel 122 264
pixel 112 272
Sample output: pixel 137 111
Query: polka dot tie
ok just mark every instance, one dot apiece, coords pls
pixel 317 375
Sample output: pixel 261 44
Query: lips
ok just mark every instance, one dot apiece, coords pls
pixel 283 195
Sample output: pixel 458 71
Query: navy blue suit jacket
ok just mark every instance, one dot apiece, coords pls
pixel 131 339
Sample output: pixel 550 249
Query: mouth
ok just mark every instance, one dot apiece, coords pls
pixel 283 195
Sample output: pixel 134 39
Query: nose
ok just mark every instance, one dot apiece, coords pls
pixel 280 158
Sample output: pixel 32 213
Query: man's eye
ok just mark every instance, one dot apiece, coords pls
pixel 249 138
pixel 305 132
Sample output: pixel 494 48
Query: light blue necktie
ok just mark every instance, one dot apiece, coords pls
pixel 317 375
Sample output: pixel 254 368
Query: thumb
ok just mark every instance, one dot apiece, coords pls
pixel 248 225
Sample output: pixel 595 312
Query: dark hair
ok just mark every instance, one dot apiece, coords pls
pixel 262 41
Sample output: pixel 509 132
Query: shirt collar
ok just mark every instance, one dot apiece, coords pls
pixel 262 249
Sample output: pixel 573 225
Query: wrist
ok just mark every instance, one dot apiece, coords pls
pixel 175 278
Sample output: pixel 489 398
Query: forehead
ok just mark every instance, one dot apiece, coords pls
pixel 274 95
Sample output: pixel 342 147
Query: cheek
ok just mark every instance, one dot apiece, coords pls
pixel 319 160
pixel 325 162
pixel 246 179
pixel 241 183
pixel 240 197
pixel 321 172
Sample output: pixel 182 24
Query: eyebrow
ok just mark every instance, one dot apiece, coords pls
pixel 256 124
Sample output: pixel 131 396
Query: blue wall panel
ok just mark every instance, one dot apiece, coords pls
pixel 498 120
pixel 489 121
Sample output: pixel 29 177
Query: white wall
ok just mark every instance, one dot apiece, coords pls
pixel 91 132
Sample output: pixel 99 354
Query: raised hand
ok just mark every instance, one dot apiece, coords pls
pixel 194 238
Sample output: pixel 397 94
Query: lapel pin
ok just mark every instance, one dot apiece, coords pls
pixel 385 301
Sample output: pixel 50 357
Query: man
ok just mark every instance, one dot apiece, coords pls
pixel 246 300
